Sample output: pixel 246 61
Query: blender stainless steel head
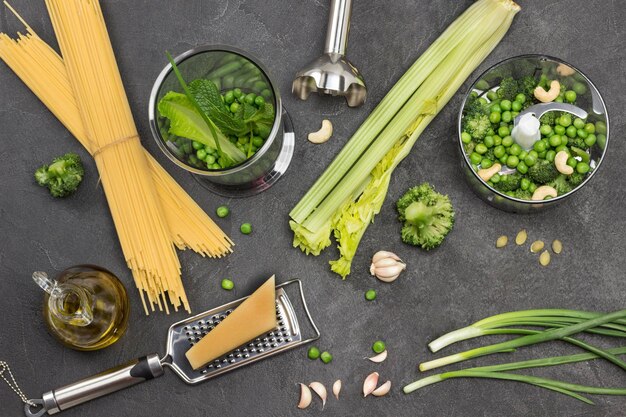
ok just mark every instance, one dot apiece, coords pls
pixel 332 73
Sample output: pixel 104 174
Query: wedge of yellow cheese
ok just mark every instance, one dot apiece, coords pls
pixel 252 318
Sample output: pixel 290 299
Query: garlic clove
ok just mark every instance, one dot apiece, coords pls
pixel 369 385
pixel 382 390
pixel 378 358
pixel 337 388
pixel 386 266
pixel 305 397
pixel 384 254
pixel 320 390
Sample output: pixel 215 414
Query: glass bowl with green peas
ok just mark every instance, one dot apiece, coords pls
pixel 532 131
pixel 215 112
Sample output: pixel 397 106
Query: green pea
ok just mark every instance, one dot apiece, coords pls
pixel 210 159
pixel 579 123
pixel 559 99
pixel 234 107
pixel 579 88
pixel 370 295
pixel 503 131
pixel 522 168
pixel 507 141
pixel 515 149
pixel 494 117
pixel 497 140
pixel 506 116
pixel 542 155
pixel 257 141
pixel 555 141
pixel 486 163
pixel 539 146
pixel 193 159
pixel 530 160
pixel 246 228
pixel 229 97
pixel 559 130
pixel 565 120
pixel 499 151
pixel 197 145
pixel 503 159
pixel 505 105
pixel 522 155
pixel 512 161
pixel 516 106
pixel 491 132
pixel 582 167
pixel 533 153
pixel 222 211
pixel 237 92
pixel 524 184
pixel 379 346
pixel 480 148
pixel 227 284
pixel 243 140
pixel 491 95
pixel 563 148
pixel 520 98
pixel 495 178
pixel 571 131
pixel 215 166
pixel 590 128
pixel 266 93
pixel 201 154
pixel 488 141
pixel 466 137
pixel 545 130
pixel 259 101
pixel 326 357
pixel 571 161
pixel 570 96
pixel 475 158
pixel 601 128
pixel 313 353
pixel 532 187
pixel 590 140
pixel 550 155
pixel 582 133
pixel 601 138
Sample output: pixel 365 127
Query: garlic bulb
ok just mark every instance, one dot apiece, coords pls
pixel 386 266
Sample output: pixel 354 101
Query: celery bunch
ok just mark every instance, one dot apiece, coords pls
pixel 345 199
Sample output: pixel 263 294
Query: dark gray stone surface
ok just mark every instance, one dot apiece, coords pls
pixel 463 281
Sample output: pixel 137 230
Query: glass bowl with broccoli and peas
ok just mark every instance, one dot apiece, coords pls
pixel 532 131
pixel 215 112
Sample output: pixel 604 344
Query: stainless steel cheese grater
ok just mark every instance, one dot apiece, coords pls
pixel 181 336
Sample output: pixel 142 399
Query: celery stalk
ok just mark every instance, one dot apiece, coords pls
pixel 481 16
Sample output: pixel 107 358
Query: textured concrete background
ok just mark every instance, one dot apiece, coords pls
pixel 463 281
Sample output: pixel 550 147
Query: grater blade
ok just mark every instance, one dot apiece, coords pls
pixel 184 334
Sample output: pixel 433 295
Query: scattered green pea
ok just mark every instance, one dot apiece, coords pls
pixel 326 357
pixel 222 211
pixel 313 353
pixel 246 228
pixel 227 284
pixel 379 346
pixel 370 295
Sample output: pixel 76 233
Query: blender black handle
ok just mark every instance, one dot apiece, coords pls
pixel 338 27
pixel 96 386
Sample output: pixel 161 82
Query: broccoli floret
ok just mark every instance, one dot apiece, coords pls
pixel 477 125
pixel 469 147
pixel 509 182
pixel 526 85
pixel 475 106
pixel 542 172
pixel 577 142
pixel 508 89
pixel 427 216
pixel 490 154
pixel 549 118
pixel 561 185
pixel 522 194
pixel 576 179
pixel 62 176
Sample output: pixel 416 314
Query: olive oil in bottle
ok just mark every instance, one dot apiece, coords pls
pixel 86 308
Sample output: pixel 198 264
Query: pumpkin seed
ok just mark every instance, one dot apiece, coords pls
pixel 521 237
pixel 544 258
pixel 537 246
pixel 557 246
pixel 502 241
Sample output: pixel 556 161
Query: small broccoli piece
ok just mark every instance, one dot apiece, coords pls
pixel 510 182
pixel 542 172
pixel 577 142
pixel 477 125
pixel 561 185
pixel 490 154
pixel 527 85
pixel 549 118
pixel 475 107
pixel 522 194
pixel 508 89
pixel 427 216
pixel 576 179
pixel 469 147
pixel 62 176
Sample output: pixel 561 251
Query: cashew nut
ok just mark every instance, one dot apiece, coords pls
pixel 560 161
pixel 550 95
pixel 544 191
pixel 323 134
pixel 565 70
pixel 487 173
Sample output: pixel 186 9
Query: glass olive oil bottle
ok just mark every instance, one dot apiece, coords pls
pixel 86 308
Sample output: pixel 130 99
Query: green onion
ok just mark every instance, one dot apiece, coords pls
pixel 544 336
pixel 345 199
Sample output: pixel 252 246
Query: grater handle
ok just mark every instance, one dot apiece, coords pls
pixel 338 27
pixel 107 382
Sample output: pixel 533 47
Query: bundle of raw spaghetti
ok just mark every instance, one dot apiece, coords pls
pixel 89 99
